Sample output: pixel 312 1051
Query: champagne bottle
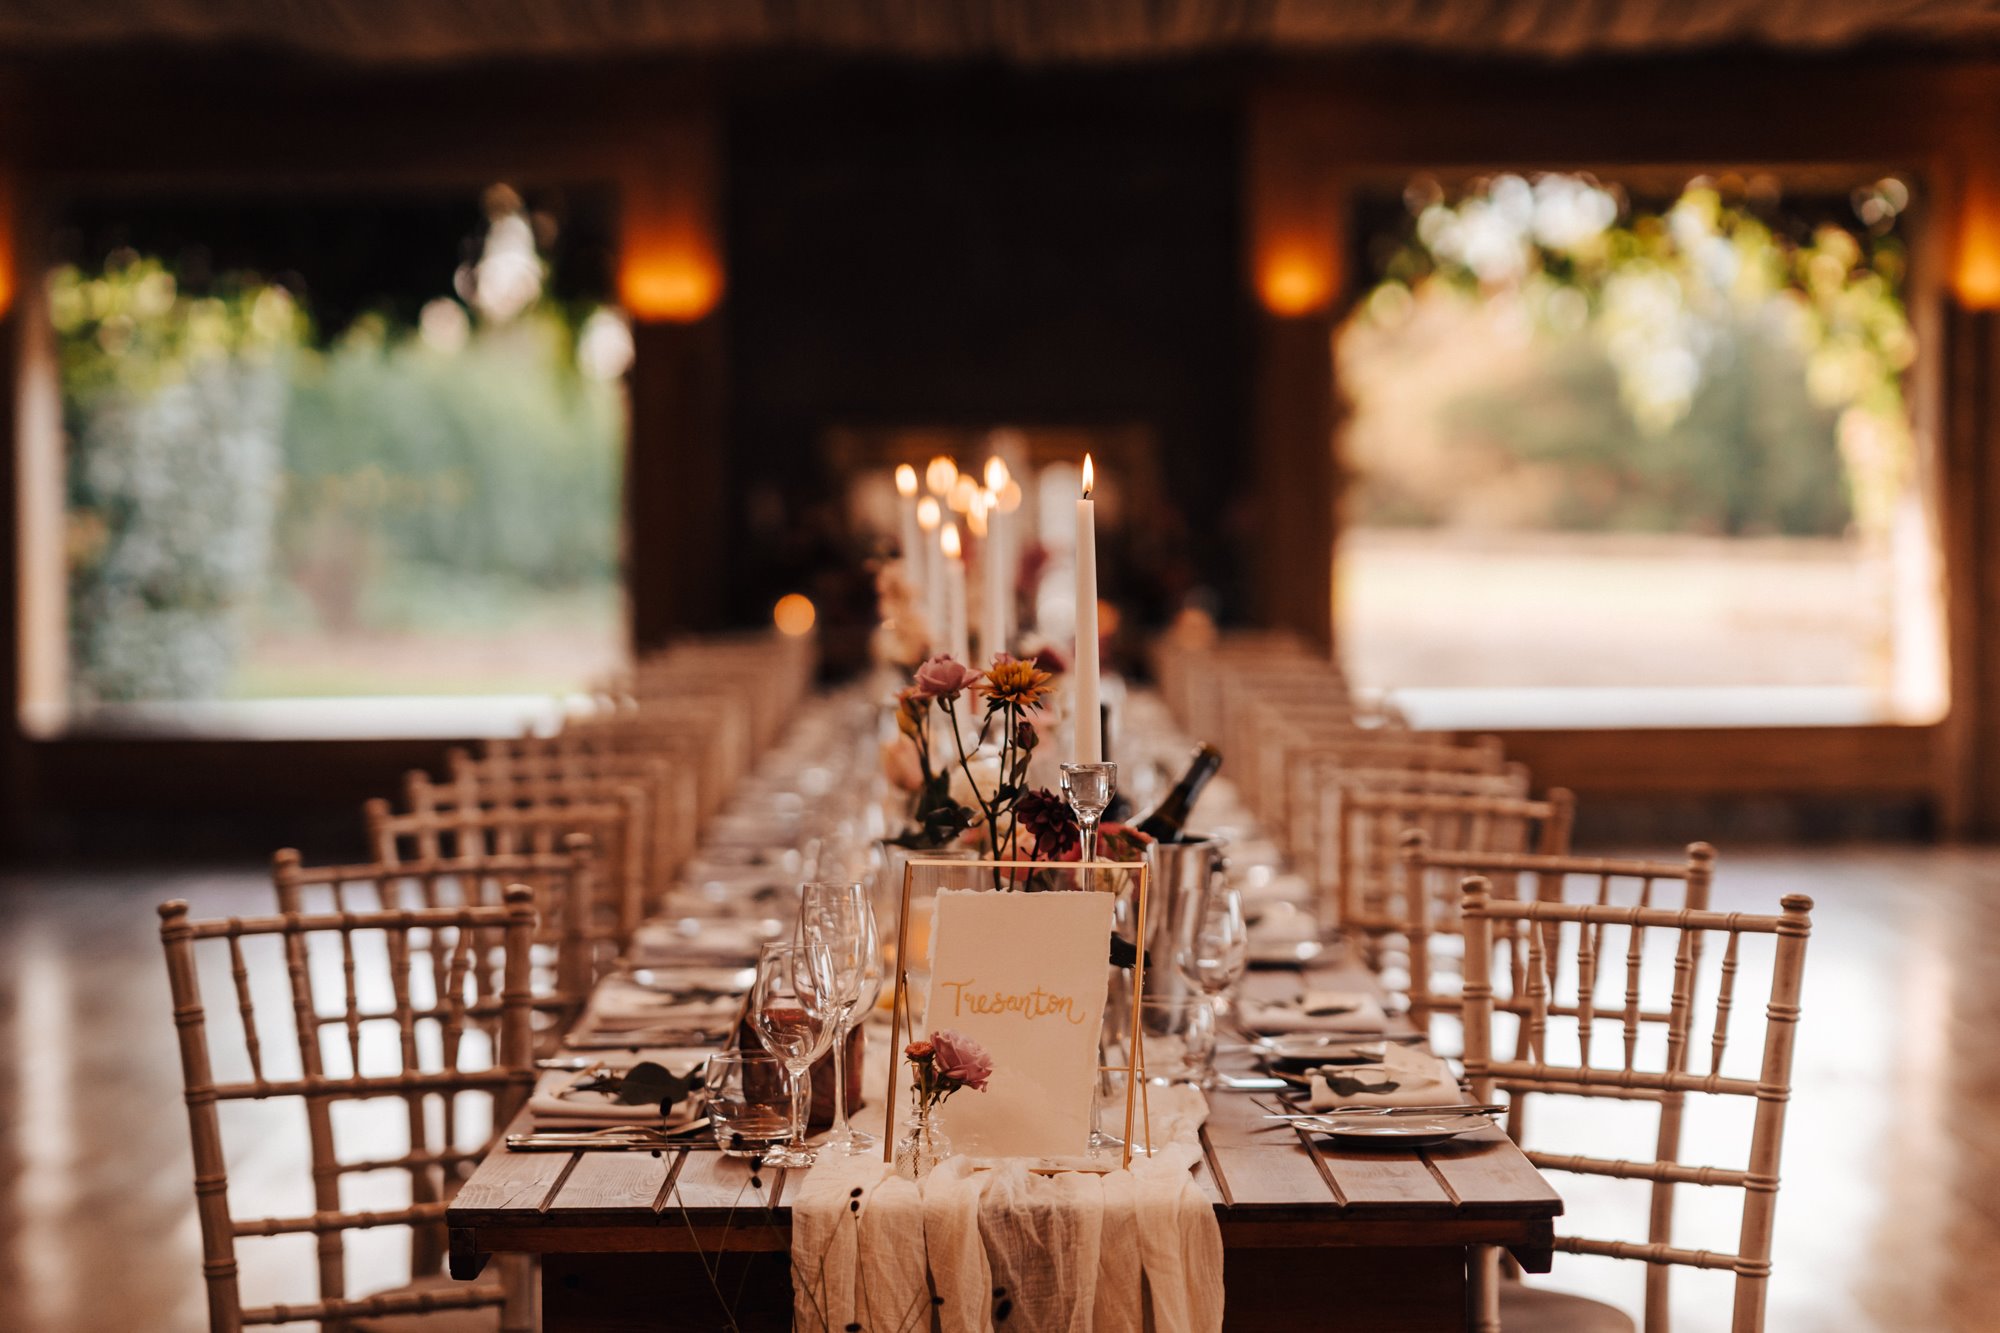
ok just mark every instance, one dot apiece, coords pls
pixel 1167 821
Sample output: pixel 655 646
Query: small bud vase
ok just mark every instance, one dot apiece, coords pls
pixel 921 1146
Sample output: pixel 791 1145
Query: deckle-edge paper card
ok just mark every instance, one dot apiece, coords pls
pixel 1024 975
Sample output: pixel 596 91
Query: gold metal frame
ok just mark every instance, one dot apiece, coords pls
pixel 1134 1070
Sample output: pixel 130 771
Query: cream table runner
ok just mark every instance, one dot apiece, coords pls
pixel 1059 1252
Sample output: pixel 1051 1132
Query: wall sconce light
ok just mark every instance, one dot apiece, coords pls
pixel 671 280
pixel 1975 265
pixel 1294 280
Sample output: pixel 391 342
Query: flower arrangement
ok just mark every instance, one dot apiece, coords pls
pixel 962 788
pixel 941 1064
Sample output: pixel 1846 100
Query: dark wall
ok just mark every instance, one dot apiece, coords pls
pixel 975 248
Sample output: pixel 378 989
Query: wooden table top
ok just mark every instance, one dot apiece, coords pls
pixel 1271 1188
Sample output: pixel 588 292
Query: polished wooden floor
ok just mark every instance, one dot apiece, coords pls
pixel 1889 1217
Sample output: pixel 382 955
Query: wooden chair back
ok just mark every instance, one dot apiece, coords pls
pixel 567 955
pixel 448 968
pixel 539 768
pixel 1430 894
pixel 1371 823
pixel 1316 765
pixel 438 827
pixel 1316 843
pixel 1535 937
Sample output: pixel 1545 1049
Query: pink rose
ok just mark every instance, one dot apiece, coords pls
pixel 944 677
pixel 961 1059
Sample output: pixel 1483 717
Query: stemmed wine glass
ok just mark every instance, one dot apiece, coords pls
pixel 792 1013
pixel 1089 788
pixel 1212 947
pixel 837 916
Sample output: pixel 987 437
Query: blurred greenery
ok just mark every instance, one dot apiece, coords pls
pixel 1551 357
pixel 231 473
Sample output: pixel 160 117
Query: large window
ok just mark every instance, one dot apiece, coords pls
pixel 1626 459
pixel 328 449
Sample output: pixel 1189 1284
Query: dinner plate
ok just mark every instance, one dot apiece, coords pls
pixel 1321 1048
pixel 1402 1131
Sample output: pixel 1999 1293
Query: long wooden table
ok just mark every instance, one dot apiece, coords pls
pixel 1314 1234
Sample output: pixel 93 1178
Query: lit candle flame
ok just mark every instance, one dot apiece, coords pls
pixel 906 480
pixel 1089 476
pixel 996 474
pixel 948 539
pixel 928 513
pixel 939 474
pixel 975 517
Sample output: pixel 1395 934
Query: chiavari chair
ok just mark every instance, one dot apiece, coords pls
pixel 1369 833
pixel 1319 849
pixel 1552 946
pixel 553 770
pixel 1314 782
pixel 438 829
pixel 711 736
pixel 454 975
pixel 567 953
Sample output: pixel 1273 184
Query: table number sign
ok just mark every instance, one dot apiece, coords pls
pixel 1024 974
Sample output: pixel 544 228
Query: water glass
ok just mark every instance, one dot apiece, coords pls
pixel 837 916
pixel 749 1108
pixel 794 1015
pixel 1180 1037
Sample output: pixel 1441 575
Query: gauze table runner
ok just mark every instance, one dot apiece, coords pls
pixel 1076 1251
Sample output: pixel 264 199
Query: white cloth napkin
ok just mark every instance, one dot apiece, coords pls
pixel 1113 1252
pixel 558 1103
pixel 1419 1079
pixel 1316 1011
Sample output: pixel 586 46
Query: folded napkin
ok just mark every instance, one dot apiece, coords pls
pixel 1407 1076
pixel 1316 1011
pixel 558 1101
pixel 617 1005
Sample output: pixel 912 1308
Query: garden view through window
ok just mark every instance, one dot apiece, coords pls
pixel 339 449
pixel 1628 460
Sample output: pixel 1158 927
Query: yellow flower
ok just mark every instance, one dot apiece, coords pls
pixel 1010 680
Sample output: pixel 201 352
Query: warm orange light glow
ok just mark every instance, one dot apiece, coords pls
pixel 929 515
pixel 1975 270
pixel 672 283
pixel 963 492
pixel 1089 477
pixel 906 480
pixel 794 614
pixel 949 543
pixel 1010 496
pixel 996 474
pixel 975 517
pixel 940 473
pixel 1107 620
pixel 6 246
pixel 1294 282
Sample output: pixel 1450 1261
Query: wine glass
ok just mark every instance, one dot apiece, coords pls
pixel 837 916
pixel 790 1011
pixel 1089 788
pixel 1212 947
